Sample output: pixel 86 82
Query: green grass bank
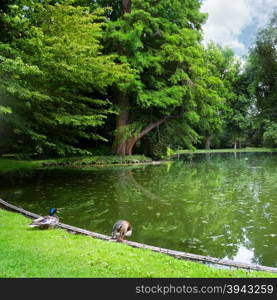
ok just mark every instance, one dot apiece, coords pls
pixel 229 150
pixel 26 252
pixel 9 163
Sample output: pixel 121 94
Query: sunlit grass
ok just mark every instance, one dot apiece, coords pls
pixel 9 164
pixel 226 150
pixel 12 164
pixel 26 252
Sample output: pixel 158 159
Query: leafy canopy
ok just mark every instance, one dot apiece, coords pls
pixel 54 76
pixel 161 40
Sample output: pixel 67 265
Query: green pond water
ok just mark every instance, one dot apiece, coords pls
pixel 221 205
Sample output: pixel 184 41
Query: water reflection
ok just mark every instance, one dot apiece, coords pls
pixel 223 206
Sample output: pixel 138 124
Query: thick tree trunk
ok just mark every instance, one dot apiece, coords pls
pixel 126 6
pixel 208 143
pixel 130 145
pixel 121 146
pixel 235 145
pixel 119 143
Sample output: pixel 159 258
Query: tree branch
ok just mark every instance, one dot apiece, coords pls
pixel 152 126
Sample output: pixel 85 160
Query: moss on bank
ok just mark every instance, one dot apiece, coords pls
pixel 97 160
pixel 229 150
pixel 12 164
pixel 26 252
pixel 8 164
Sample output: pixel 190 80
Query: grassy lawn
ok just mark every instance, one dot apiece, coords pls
pixel 9 164
pixel 226 150
pixel 12 164
pixel 26 252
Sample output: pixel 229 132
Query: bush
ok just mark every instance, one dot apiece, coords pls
pixel 270 135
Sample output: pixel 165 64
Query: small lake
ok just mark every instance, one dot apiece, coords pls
pixel 221 205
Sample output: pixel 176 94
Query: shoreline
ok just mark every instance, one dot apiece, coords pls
pixel 8 164
pixel 176 254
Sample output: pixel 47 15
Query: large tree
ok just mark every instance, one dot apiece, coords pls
pixel 220 72
pixel 232 124
pixel 161 41
pixel 54 77
pixel 262 69
pixel 263 61
pixel 239 120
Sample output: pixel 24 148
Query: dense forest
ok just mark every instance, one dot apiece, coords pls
pixel 123 77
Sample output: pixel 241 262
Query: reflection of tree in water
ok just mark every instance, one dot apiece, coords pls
pixel 209 207
pixel 206 208
pixel 84 198
pixel 263 234
pixel 179 219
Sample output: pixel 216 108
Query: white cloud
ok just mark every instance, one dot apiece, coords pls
pixel 228 20
pixel 262 9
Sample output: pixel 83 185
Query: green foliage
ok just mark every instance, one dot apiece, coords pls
pixel 270 135
pixel 169 136
pixel 156 148
pixel 96 160
pixel 218 77
pixel 5 110
pixel 64 66
pixel 12 164
pixel 232 118
pixel 54 77
pixel 263 67
pixel 239 122
pixel 169 152
pixel 8 164
pixel 161 41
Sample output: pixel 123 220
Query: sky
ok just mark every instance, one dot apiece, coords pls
pixel 234 23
